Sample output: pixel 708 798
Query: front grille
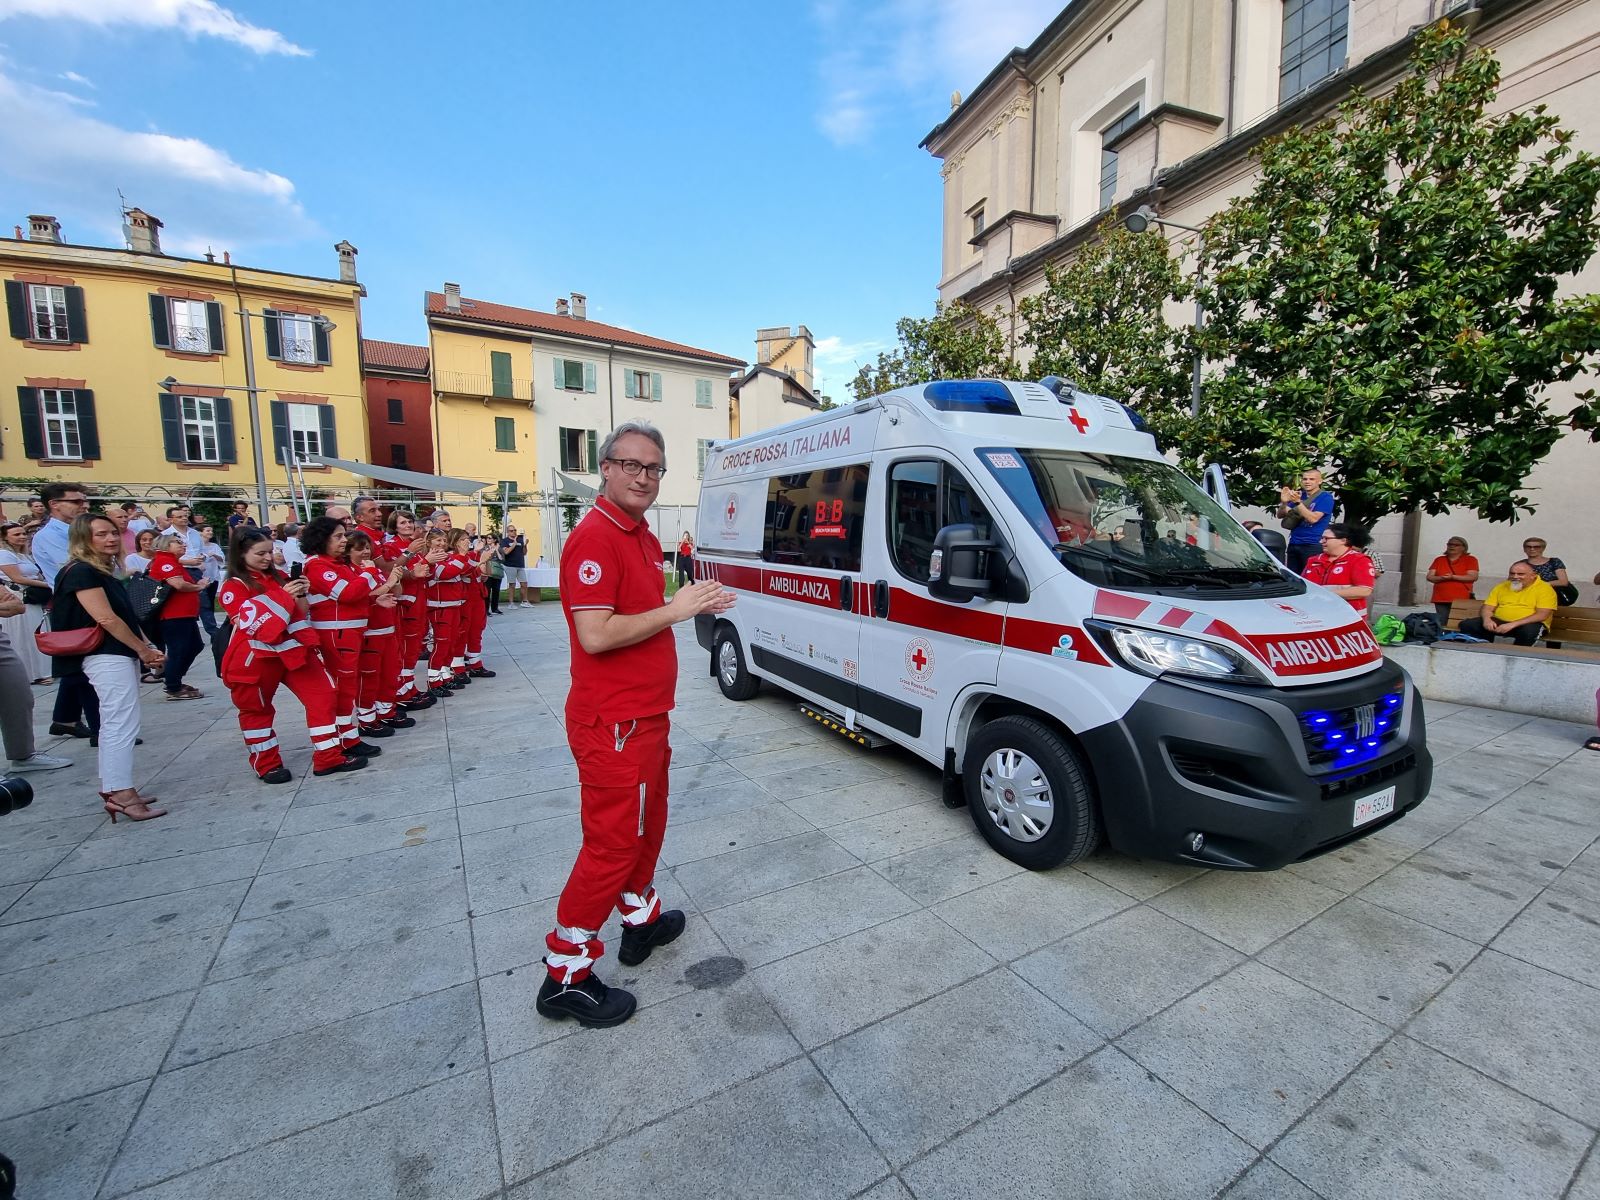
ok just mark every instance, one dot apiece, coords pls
pixel 1341 738
pixel 1367 780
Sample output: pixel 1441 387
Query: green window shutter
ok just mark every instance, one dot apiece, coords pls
pixel 319 337
pixel 160 323
pixel 589 381
pixel 566 459
pixel 500 375
pixel 591 445
pixel 702 393
pixel 505 433
pixel 227 450
pixel 330 435
pixel 171 426
pixel 655 385
pixel 17 313
pixel 561 372
pixel 32 423
pixel 274 332
pixel 700 448
pixel 78 328
pixel 627 384
pixel 280 429
pixel 214 329
pixel 88 424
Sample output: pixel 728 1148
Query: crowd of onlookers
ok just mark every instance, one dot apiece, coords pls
pixel 334 605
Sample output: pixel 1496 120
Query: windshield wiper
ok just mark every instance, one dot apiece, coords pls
pixel 1228 574
pixel 1105 556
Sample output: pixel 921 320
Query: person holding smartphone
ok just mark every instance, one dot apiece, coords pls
pixel 1306 513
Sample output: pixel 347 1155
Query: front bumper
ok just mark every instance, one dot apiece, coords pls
pixel 1235 765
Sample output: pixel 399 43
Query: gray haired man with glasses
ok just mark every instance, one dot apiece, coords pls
pixel 624 676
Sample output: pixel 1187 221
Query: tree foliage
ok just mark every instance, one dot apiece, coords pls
pixel 1099 323
pixel 957 342
pixel 1385 300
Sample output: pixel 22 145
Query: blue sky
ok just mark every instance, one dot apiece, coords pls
pixel 698 169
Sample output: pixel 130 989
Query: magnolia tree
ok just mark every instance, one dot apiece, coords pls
pixel 1385 302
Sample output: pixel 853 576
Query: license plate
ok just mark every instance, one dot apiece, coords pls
pixel 1370 808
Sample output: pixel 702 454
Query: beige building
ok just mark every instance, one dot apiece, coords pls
pixel 781 387
pixel 1159 102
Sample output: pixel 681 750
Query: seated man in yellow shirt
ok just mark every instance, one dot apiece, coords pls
pixel 1517 608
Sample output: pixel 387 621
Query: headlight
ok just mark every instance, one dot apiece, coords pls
pixel 1173 654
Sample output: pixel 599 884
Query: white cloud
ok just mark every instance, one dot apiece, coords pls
pixel 74 77
pixel 912 52
pixel 194 18
pixel 72 164
pixel 837 361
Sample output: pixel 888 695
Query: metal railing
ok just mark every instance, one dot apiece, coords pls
pixel 466 383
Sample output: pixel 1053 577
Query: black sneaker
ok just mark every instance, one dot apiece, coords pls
pixel 400 722
pixel 377 731
pixel 277 775
pixel 481 673
pixel 458 682
pixel 362 750
pixel 69 729
pixel 349 764
pixel 420 701
pixel 439 692
pixel 639 940
pixel 589 1003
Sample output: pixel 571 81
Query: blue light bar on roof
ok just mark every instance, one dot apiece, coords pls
pixel 971 395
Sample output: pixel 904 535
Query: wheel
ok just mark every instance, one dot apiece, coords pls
pixel 736 682
pixel 1029 794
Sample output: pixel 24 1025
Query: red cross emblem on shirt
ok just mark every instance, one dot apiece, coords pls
pixel 1079 421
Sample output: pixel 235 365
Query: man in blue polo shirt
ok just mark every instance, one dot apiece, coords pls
pixel 1315 508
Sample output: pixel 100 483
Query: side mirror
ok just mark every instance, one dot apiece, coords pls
pixel 958 569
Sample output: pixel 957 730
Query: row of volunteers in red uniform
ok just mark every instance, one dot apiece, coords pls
pixel 346 635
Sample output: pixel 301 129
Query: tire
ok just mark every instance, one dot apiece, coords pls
pixel 1025 751
pixel 727 656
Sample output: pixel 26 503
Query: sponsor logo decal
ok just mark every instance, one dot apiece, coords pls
pixel 589 572
pixel 1063 648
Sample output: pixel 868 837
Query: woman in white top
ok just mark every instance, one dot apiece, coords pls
pixel 19 573
pixel 138 562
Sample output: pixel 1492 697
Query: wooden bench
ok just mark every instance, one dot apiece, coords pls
pixel 1573 628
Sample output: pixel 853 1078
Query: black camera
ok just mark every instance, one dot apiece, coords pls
pixel 296 571
pixel 15 792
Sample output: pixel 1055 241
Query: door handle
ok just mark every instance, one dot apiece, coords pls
pixel 880 598
pixel 847 594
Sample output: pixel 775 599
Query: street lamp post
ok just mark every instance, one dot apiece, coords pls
pixel 252 393
pixel 1139 220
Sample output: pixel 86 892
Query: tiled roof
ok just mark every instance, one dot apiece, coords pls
pixel 395 355
pixel 578 327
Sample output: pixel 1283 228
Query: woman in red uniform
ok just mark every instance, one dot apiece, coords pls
pixel 1342 568
pixel 378 664
pixel 446 598
pixel 404 545
pixel 476 610
pixel 339 598
pixel 273 643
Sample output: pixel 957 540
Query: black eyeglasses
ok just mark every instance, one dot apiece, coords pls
pixel 632 466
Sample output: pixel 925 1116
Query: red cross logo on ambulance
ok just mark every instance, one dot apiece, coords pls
pixel 731 513
pixel 589 572
pixel 919 659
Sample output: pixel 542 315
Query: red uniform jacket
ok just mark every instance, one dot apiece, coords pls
pixel 448 587
pixel 340 595
pixel 266 624
pixel 380 618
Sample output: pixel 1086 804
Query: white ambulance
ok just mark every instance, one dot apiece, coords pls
pixel 1010 581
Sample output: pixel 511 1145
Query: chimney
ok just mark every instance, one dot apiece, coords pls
pixel 144 232
pixel 452 297
pixel 347 262
pixel 44 229
pixel 561 307
pixel 580 305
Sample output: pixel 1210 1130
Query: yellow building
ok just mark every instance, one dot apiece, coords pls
pixel 94 333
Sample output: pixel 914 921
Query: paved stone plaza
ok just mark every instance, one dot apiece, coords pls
pixel 326 989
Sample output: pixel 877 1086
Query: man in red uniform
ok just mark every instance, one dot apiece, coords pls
pixel 624 674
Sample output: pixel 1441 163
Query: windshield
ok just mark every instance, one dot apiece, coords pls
pixel 1129 522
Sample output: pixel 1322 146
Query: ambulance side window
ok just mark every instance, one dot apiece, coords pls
pixel 924 497
pixel 814 518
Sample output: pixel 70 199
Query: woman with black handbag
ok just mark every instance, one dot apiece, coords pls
pixel 23 576
pixel 93 631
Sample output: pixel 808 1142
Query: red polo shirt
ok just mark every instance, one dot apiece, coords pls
pixel 613 562
pixel 165 565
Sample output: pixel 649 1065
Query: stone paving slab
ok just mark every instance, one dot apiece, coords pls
pixel 326 989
